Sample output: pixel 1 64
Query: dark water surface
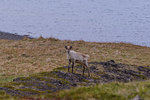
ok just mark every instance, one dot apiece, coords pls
pixel 89 20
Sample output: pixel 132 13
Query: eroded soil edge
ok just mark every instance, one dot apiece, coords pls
pixel 59 79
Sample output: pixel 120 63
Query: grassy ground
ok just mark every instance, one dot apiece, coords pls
pixel 24 57
pixel 28 56
pixel 110 91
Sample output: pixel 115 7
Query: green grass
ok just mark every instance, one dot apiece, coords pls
pixel 4 96
pixel 109 91
pixel 4 79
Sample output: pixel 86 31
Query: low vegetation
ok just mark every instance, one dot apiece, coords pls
pixel 31 57
pixel 110 91
pixel 28 56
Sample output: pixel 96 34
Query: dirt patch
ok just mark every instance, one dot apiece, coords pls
pixel 59 79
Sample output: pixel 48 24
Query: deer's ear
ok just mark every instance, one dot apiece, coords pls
pixel 70 47
pixel 66 47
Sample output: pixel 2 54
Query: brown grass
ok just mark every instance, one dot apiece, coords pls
pixel 29 56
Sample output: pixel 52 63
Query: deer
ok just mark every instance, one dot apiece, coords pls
pixel 76 57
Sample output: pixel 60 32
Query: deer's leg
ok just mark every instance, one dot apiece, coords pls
pixel 86 64
pixel 69 64
pixel 83 70
pixel 73 65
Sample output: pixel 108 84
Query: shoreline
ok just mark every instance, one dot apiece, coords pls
pixel 15 36
pixel 12 36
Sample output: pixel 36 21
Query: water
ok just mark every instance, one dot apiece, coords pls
pixel 89 20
